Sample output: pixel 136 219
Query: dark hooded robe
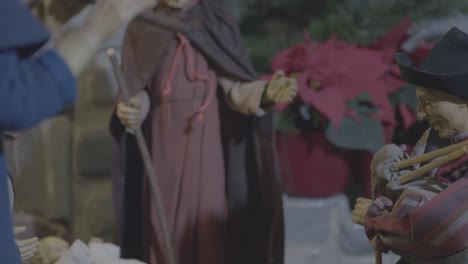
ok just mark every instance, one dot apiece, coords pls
pixel 216 167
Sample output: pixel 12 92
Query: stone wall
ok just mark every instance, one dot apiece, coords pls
pixel 91 149
pixel 62 167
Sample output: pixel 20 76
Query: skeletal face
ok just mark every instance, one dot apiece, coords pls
pixel 178 3
pixel 446 113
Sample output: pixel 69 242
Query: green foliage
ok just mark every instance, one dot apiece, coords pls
pixel 363 21
pixel 363 134
pixel 285 121
pixel 407 96
pixel 300 117
pixel 269 26
pixel 263 47
pixel 362 104
pixel 360 133
pixel 253 13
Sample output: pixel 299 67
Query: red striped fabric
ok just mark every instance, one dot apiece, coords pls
pixel 425 228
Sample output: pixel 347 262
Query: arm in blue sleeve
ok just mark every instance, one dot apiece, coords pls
pixel 32 90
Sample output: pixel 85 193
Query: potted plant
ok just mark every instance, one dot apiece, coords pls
pixel 348 99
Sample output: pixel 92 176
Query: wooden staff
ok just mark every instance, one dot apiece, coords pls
pixel 378 257
pixel 147 163
pixel 377 253
pixel 430 155
pixel 413 175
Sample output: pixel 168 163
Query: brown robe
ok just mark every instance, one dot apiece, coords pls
pixel 218 178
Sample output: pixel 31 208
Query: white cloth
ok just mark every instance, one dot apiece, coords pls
pixel 95 253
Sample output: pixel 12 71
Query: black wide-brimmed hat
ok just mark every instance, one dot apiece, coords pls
pixel 445 68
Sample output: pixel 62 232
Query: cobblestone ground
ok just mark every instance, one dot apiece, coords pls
pixel 320 231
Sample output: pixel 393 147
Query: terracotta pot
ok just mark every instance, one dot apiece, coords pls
pixel 310 166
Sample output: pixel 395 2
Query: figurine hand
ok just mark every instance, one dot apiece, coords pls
pixel 109 16
pixel 280 89
pixel 26 247
pixel 133 115
pixel 360 210
pixel 386 171
pixel 380 205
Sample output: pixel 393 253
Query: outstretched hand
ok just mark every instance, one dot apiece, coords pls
pixel 280 89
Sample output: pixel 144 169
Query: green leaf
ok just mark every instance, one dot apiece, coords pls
pixel 364 134
pixel 284 122
pixel 364 97
pixel 406 95
pixel 362 104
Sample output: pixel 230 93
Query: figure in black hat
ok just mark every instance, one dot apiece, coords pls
pixel 425 220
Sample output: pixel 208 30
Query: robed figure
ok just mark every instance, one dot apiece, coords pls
pixel 205 120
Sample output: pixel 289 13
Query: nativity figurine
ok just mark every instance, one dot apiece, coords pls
pixel 205 115
pixel 420 211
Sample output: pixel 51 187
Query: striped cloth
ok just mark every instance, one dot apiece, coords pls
pixel 430 218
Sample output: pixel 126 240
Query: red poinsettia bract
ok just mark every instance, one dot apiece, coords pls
pixel 332 73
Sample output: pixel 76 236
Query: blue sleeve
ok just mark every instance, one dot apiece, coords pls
pixel 8 250
pixel 32 90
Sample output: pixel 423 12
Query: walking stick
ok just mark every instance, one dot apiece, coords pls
pixel 377 253
pixel 146 161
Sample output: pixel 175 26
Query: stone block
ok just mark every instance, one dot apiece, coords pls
pixel 93 210
pixel 98 83
pixel 93 153
pixel 27 166
pixel 40 162
pixel 57 151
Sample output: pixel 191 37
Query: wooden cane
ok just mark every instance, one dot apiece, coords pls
pixel 377 253
pixel 430 155
pixel 147 163
pixel 378 257
pixel 415 174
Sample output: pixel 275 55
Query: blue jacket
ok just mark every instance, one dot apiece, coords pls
pixel 31 89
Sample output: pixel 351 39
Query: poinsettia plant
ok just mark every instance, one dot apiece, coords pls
pixel 347 91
